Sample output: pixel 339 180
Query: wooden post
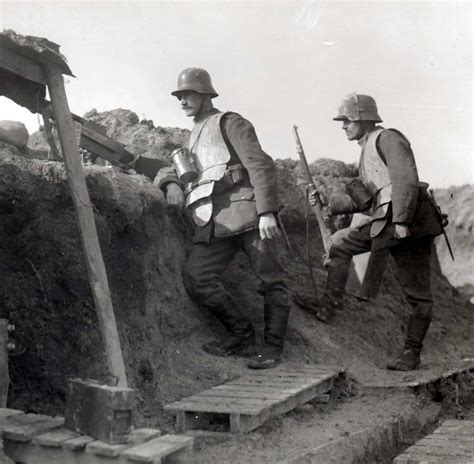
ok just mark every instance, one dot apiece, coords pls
pixel 85 214
pixel 4 378
pixel 48 130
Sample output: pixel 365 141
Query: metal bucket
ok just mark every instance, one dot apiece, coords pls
pixel 184 165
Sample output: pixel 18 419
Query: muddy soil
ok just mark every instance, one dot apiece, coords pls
pixel 45 293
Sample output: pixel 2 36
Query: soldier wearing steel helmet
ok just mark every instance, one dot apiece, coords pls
pixel 401 218
pixel 232 204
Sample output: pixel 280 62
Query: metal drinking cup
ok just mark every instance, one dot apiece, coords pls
pixel 184 165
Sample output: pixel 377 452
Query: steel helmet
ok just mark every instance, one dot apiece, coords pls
pixel 196 79
pixel 355 107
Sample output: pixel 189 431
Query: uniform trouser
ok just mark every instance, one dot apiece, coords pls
pixel 412 259
pixel 203 273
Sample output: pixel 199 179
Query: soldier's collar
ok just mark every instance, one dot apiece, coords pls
pixel 204 116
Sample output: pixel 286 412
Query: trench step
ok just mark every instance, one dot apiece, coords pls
pixel 39 439
pixel 246 403
pixel 451 443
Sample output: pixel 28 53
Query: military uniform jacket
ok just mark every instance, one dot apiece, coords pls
pixel 247 189
pixel 387 167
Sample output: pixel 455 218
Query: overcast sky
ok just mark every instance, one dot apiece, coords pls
pixel 278 64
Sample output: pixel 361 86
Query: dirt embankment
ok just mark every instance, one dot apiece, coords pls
pixel 458 203
pixel 46 293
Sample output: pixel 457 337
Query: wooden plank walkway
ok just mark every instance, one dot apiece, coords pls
pixel 421 378
pixel 451 443
pixel 39 439
pixel 246 403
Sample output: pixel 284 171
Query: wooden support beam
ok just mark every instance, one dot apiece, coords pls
pixel 18 64
pixel 4 377
pixel 90 240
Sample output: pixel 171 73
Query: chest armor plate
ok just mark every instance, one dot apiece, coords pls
pixel 372 169
pixel 210 155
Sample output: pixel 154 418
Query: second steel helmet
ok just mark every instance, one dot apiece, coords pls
pixel 356 107
pixel 196 79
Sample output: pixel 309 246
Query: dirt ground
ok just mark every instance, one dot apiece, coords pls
pixel 45 293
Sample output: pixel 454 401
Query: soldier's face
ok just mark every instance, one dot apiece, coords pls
pixel 354 129
pixel 191 102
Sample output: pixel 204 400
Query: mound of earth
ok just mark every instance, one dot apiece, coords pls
pixel 458 202
pixel 46 293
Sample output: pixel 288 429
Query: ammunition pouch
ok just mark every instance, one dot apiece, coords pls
pixel 359 194
pixel 234 175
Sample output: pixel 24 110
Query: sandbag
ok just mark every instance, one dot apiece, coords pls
pixel 14 133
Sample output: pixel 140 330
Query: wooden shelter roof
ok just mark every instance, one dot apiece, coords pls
pixel 22 62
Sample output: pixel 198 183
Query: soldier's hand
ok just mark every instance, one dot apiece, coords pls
pixel 174 194
pixel 401 231
pixel 312 195
pixel 268 226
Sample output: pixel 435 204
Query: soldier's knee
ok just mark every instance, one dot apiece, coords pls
pixel 191 281
pixel 423 311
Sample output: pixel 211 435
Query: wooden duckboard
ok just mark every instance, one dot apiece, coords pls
pixel 38 439
pixel 246 403
pixel 451 443
pixel 422 378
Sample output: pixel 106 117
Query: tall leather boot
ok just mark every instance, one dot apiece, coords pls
pixel 338 274
pixel 241 332
pixel 409 359
pixel 276 321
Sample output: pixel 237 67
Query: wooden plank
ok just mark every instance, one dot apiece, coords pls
pixel 252 388
pixel 29 429
pixel 458 423
pixel 256 403
pixel 54 439
pixel 90 241
pixel 447 448
pixel 422 379
pixel 288 375
pixel 103 140
pixel 447 440
pixel 104 152
pixel 137 437
pixel 440 451
pixel 275 383
pixel 104 449
pixel 218 408
pixel 420 459
pixel 19 64
pixel 308 368
pixel 284 380
pixel 77 444
pixel 240 394
pixel 158 448
pixel 6 412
